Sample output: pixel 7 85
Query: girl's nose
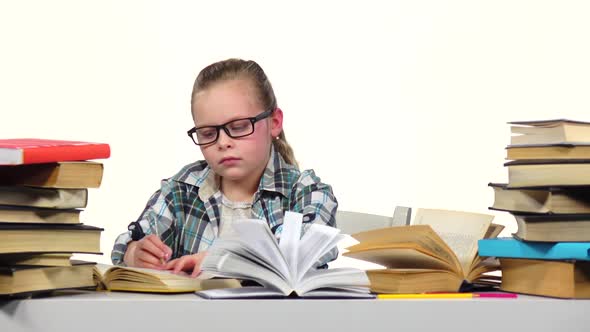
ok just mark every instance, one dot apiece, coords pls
pixel 224 141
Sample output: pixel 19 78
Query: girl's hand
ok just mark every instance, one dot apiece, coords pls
pixel 149 252
pixel 189 264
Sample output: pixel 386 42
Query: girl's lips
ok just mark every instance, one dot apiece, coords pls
pixel 229 160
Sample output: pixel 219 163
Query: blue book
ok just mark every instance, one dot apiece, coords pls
pixel 513 248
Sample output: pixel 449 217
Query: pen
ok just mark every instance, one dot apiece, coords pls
pixel 158 235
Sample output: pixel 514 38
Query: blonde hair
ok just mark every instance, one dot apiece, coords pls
pixel 237 69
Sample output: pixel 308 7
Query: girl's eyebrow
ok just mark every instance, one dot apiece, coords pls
pixel 236 117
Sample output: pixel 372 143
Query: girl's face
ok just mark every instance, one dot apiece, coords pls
pixel 235 158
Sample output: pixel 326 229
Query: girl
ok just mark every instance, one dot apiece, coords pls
pixel 249 171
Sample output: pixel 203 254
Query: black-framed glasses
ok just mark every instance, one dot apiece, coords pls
pixel 234 129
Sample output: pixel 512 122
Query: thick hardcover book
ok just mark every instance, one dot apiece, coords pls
pixel 548 151
pixel 64 174
pixel 31 279
pixel 22 151
pixel 512 248
pixel 563 279
pixel 548 173
pixel 553 227
pixel 541 200
pixel 45 238
pixel 50 198
pixel 19 214
pixel 558 131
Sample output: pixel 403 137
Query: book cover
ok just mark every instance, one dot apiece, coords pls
pixel 547 162
pixel 513 248
pixel 545 123
pixel 22 151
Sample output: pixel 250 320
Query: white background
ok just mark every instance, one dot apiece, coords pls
pixel 391 102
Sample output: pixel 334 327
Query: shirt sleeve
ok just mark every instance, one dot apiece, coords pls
pixel 157 218
pixel 311 197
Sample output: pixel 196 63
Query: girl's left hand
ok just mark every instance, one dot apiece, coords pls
pixel 189 264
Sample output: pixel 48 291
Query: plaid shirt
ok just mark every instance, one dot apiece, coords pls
pixel 187 219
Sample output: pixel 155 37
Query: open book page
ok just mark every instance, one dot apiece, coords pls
pixel 491 233
pixel 316 242
pixel 237 247
pixel 344 261
pixel 421 236
pixel 289 244
pixel 255 254
pixel 256 236
pixel 229 265
pixel 459 230
pixel 102 268
pixel 400 256
pixel 351 280
pixel 494 231
pixel 150 280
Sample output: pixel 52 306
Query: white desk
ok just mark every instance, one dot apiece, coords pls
pixel 187 312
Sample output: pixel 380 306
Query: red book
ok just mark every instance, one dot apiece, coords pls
pixel 22 151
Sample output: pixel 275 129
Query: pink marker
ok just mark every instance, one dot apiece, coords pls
pixel 496 295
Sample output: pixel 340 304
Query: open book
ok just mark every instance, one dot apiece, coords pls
pixel 133 279
pixel 437 253
pixel 283 268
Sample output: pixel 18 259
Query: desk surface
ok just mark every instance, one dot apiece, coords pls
pixel 113 311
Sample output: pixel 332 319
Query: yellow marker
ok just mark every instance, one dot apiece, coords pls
pixel 425 296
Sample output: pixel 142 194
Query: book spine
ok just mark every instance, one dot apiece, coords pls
pixel 48 154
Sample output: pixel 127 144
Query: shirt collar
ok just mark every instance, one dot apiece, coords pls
pixel 209 185
pixel 276 178
pixel 277 175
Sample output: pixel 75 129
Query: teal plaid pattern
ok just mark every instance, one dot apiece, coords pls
pixel 189 224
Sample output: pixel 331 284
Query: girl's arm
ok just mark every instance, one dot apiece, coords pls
pixel 157 218
pixel 315 199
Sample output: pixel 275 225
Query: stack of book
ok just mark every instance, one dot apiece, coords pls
pixel 43 189
pixel 548 192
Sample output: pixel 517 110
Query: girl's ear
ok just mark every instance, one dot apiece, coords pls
pixel 276 123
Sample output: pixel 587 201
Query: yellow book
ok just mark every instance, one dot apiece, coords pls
pixel 65 174
pixel 435 254
pixel 40 259
pixel 563 279
pixel 31 279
